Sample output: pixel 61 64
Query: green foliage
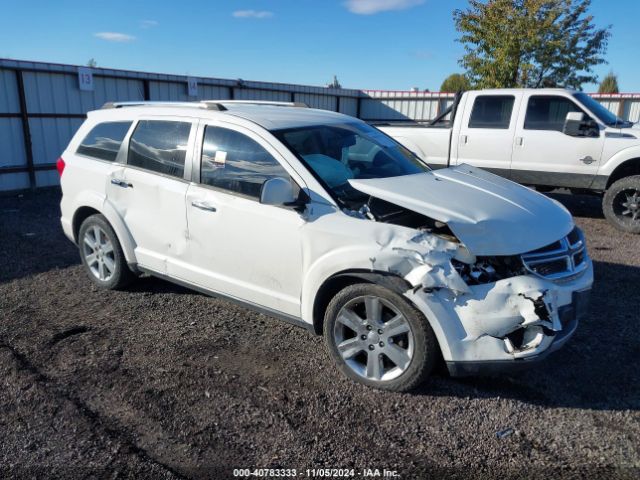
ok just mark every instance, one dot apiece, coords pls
pixel 92 63
pixel 455 82
pixel 530 43
pixel 609 84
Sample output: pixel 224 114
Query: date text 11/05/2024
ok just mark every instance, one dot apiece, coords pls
pixel 316 473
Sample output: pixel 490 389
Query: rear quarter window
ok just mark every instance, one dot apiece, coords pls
pixel 104 140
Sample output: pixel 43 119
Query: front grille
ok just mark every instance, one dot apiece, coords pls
pixel 560 260
pixel 552 267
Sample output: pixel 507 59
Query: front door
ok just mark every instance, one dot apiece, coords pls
pixel 544 155
pixel 238 246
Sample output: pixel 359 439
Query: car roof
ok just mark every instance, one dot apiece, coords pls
pixel 506 91
pixel 269 115
pixel 274 117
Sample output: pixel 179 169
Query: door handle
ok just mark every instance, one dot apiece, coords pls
pixel 203 206
pixel 121 183
pixel 519 141
pixel 588 160
pixel 463 139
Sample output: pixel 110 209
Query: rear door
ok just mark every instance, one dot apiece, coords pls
pixel 543 154
pixel 149 191
pixel 486 131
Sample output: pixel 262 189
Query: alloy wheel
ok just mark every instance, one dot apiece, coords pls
pixel 98 253
pixel 374 338
pixel 627 204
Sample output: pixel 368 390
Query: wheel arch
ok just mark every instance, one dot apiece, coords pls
pixel 627 168
pixel 336 282
pixel 91 204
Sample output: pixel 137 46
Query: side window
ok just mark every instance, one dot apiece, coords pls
pixel 104 140
pixel 232 161
pixel 159 146
pixel 548 112
pixel 492 111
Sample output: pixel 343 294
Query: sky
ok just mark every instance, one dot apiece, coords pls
pixel 368 44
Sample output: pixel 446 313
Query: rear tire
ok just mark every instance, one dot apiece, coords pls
pixel 102 255
pixel 378 338
pixel 621 204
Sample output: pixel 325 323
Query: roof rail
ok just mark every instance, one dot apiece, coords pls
pixel 256 102
pixel 205 105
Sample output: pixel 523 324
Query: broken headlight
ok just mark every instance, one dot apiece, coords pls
pixel 489 269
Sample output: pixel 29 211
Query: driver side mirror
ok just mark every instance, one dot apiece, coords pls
pixel 577 124
pixel 279 191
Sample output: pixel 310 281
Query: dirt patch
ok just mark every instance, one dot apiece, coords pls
pixel 161 382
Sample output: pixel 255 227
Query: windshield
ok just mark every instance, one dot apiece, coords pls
pixel 601 112
pixel 337 153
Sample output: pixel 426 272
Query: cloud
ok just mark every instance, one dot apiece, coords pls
pixel 423 54
pixel 148 24
pixel 115 37
pixel 369 7
pixel 252 14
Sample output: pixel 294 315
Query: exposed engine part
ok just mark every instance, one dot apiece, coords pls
pixel 489 269
pixel 387 212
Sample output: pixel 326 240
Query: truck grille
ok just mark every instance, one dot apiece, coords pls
pixel 560 260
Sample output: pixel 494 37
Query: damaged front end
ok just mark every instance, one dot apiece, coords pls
pixel 501 272
pixel 488 312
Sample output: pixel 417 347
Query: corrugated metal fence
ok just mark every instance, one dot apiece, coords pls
pixel 42 105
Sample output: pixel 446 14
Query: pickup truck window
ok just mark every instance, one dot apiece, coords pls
pixel 601 112
pixel 104 140
pixel 159 146
pixel 336 153
pixel 234 162
pixel 548 112
pixel 492 111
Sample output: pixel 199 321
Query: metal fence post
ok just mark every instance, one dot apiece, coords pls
pixel 146 90
pixel 26 130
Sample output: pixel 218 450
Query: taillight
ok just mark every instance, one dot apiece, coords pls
pixel 60 166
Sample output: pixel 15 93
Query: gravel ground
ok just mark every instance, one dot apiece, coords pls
pixel 161 382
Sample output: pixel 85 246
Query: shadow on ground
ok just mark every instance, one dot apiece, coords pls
pixel 584 206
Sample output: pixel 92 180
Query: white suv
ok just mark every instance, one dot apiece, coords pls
pixel 326 222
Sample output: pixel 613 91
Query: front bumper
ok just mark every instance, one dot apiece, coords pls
pixel 570 316
pixel 505 325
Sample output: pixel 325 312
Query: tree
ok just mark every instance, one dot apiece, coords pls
pixel 334 83
pixel 455 82
pixel 92 63
pixel 530 43
pixel 609 84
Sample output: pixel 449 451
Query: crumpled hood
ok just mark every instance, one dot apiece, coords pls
pixel 489 214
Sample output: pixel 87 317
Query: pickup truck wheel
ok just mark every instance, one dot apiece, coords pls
pixel 102 255
pixel 378 338
pixel 621 204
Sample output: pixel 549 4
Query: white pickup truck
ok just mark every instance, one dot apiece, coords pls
pixel 546 138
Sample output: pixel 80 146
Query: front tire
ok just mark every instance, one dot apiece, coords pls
pixel 102 255
pixel 378 338
pixel 621 204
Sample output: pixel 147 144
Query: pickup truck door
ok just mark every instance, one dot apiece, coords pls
pixel 543 154
pixel 483 133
